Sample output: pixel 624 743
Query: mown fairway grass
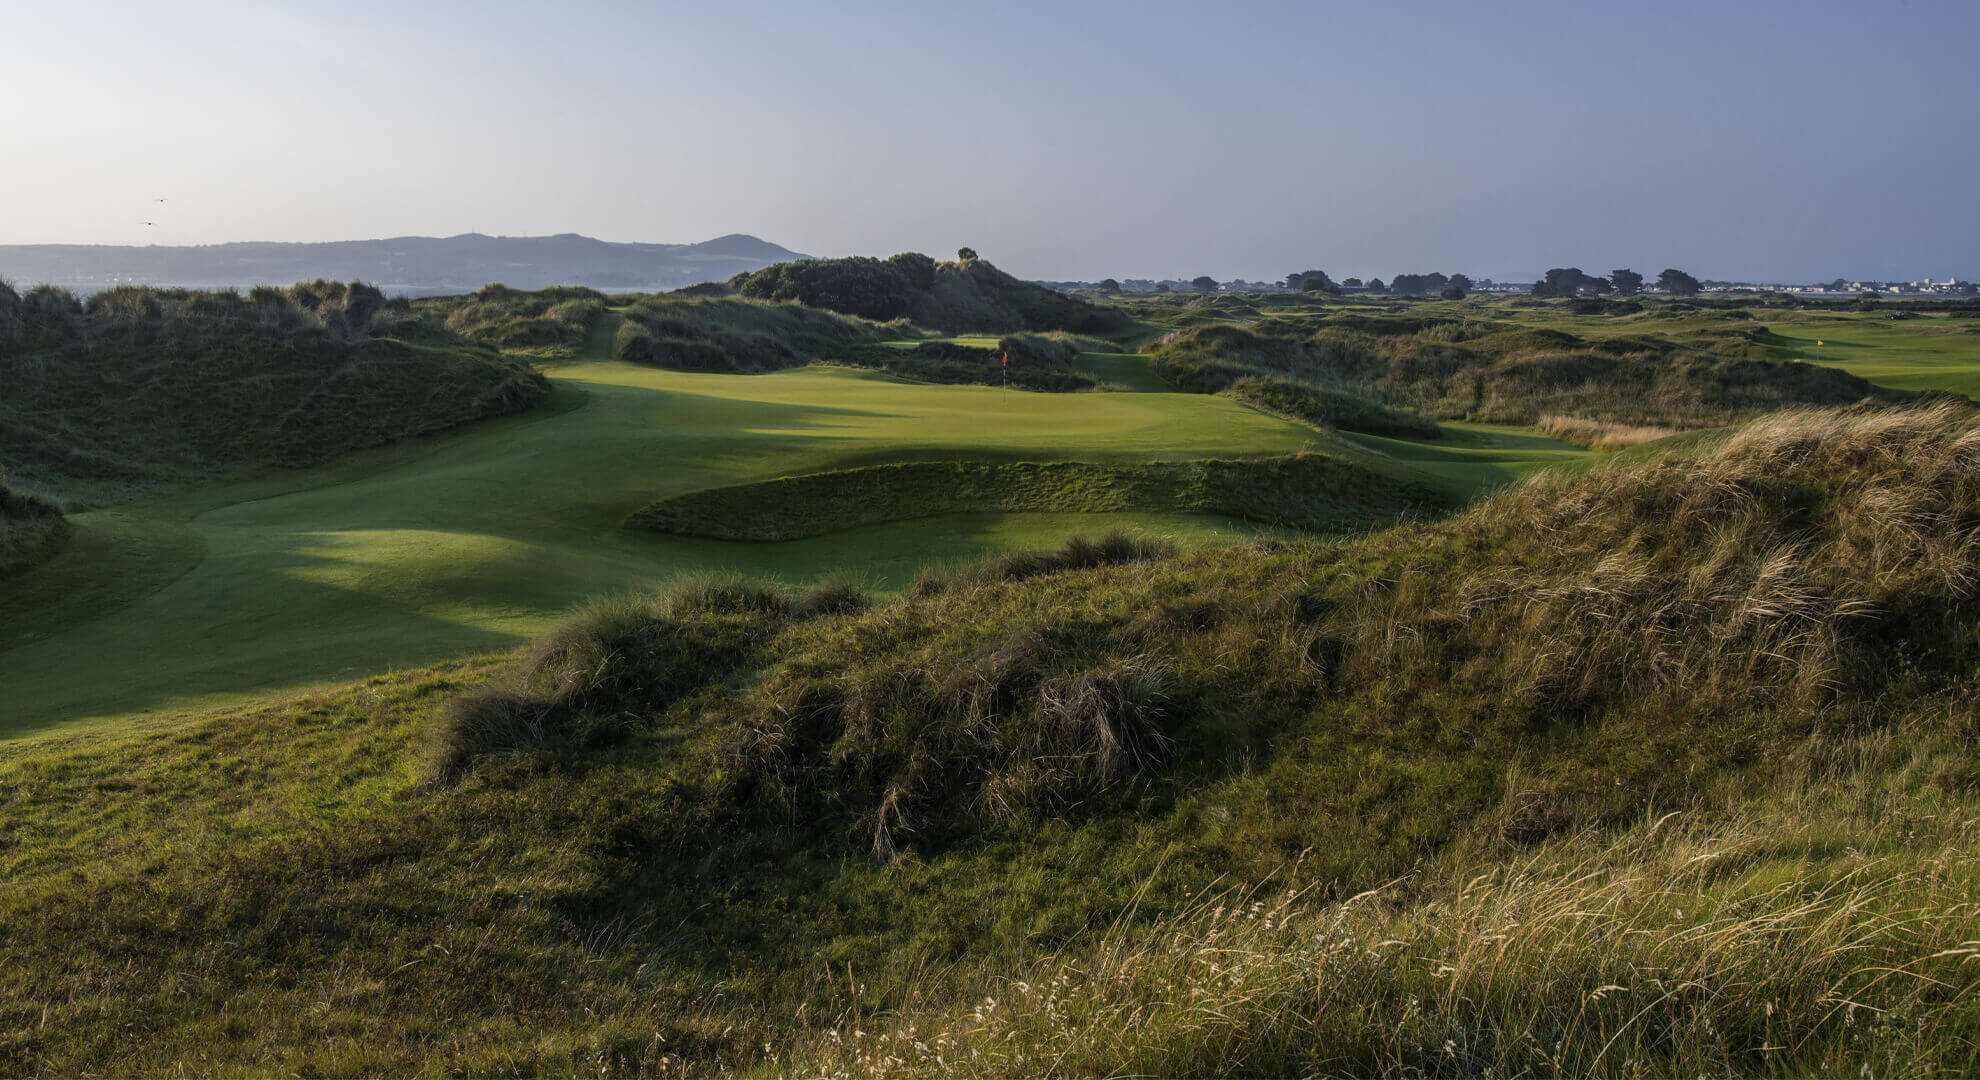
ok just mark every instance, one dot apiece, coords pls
pixel 477 541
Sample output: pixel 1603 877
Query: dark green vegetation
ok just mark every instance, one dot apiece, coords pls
pixel 1666 766
pixel 1308 491
pixel 1662 768
pixel 550 323
pixel 31 529
pixel 731 334
pixel 968 295
pixel 1499 372
pixel 139 388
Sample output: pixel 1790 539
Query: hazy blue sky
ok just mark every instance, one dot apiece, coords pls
pixel 1754 140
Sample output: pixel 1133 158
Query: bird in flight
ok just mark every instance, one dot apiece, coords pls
pixel 158 200
pixel 153 224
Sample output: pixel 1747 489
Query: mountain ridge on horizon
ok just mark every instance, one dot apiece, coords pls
pixel 404 264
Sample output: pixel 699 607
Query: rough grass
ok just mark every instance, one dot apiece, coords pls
pixel 1331 408
pixel 549 323
pixel 141 388
pixel 31 529
pixel 731 334
pixel 1601 434
pixel 1310 491
pixel 1497 372
pixel 756 826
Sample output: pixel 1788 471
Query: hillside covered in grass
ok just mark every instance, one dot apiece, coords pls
pixel 1366 367
pixel 965 296
pixel 137 388
pixel 1662 768
pixel 551 323
pixel 31 529
pixel 1307 491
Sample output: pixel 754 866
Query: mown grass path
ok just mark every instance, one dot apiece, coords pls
pixel 479 540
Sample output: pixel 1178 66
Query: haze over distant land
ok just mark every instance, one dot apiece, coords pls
pixel 405 264
pixel 1765 140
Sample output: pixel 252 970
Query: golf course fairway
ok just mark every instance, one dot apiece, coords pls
pixel 478 540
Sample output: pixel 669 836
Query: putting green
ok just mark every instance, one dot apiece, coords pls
pixel 479 540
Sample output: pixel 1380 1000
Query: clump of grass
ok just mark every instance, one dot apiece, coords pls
pixel 1601 434
pixel 1679 950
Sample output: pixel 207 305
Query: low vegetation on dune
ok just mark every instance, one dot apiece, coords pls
pixel 1041 362
pixel 31 529
pixel 1498 372
pixel 1666 767
pixel 1308 491
pixel 549 323
pixel 733 334
pixel 138 387
pixel 965 296
pixel 740 335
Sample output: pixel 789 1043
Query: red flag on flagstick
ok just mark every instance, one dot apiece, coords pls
pixel 1007 358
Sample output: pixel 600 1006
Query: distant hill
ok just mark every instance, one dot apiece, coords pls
pixel 417 265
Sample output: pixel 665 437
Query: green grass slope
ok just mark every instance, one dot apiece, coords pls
pixel 1662 768
pixel 142 388
pixel 548 323
pixel 1308 491
pixel 31 529
pixel 481 538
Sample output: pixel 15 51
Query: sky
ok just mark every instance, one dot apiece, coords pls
pixel 1766 141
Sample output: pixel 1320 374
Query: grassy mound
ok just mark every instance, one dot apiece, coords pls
pixel 1661 769
pixel 1331 408
pixel 141 387
pixel 31 529
pixel 1310 491
pixel 1497 373
pixel 1041 362
pixel 551 323
pixel 738 335
pixel 954 297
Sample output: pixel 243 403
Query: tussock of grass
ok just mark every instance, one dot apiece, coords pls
pixel 1684 949
pixel 1601 434
pixel 1312 491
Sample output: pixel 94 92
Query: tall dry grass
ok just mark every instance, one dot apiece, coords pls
pixel 1601 434
pixel 1683 949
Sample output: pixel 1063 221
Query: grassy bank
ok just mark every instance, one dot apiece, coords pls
pixel 1311 491
pixel 1427 774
